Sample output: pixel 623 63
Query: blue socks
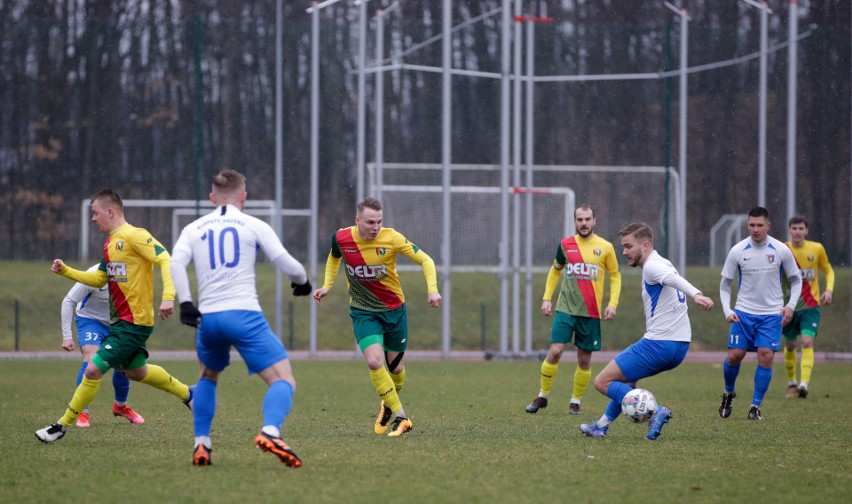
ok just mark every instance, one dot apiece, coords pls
pixel 277 403
pixel 616 391
pixel 762 377
pixel 121 384
pixel 204 406
pixel 81 373
pixel 731 374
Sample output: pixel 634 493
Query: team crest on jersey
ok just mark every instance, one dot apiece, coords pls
pixel 119 245
pixel 810 258
pixel 598 252
pixel 381 251
pixel 770 258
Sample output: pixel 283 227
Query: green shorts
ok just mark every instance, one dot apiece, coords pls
pixel 388 328
pixel 585 331
pixel 124 347
pixel 804 322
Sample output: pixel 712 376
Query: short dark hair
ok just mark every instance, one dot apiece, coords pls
pixel 640 230
pixel 110 199
pixel 228 180
pixel 584 206
pixel 370 202
pixel 759 211
pixel 798 219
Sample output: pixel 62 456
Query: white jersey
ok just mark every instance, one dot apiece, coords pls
pixel 223 246
pixel 664 294
pixel 87 302
pixel 760 269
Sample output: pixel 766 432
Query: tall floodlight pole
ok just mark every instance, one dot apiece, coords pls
pixel 516 181
pixel 761 141
pixel 362 106
pixel 505 99
pixel 792 78
pixel 279 155
pixel 380 105
pixel 529 152
pixel 682 141
pixel 381 13
pixel 313 232
pixel 446 160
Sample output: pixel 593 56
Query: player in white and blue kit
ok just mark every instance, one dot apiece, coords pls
pixel 667 331
pixel 760 261
pixel 91 307
pixel 223 247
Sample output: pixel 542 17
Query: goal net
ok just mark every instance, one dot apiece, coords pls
pixel 412 195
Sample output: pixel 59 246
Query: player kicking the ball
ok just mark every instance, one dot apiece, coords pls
pixel 667 331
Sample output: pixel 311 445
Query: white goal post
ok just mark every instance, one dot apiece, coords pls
pixel 618 194
pixel 413 197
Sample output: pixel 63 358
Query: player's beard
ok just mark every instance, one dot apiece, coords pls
pixel 585 233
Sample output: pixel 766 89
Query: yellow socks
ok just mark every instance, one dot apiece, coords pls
pixel 398 380
pixel 158 377
pixel 807 364
pixel 581 381
pixel 548 374
pixel 385 387
pixel 790 364
pixel 85 393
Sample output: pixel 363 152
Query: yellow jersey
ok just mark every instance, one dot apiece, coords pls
pixel 371 267
pixel 811 258
pixel 128 267
pixel 584 262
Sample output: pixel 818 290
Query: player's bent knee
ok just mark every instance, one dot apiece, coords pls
pixel 281 370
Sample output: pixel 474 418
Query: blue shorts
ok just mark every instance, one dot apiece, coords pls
pixel 648 357
pixel 90 331
pixel 247 331
pixel 755 331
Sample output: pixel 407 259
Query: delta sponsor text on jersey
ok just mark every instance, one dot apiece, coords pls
pixel 367 272
pixel 582 271
pixel 117 271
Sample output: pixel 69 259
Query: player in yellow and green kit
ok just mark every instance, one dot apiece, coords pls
pixel 376 303
pixel 584 259
pixel 127 267
pixel 810 257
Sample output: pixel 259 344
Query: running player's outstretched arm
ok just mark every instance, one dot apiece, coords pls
pixel 825 265
pixel 148 247
pixel 286 263
pixel 614 283
pixel 674 280
pixel 332 264
pixel 181 257
pixel 413 252
pixel 97 278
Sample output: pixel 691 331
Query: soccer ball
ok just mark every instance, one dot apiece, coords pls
pixel 639 405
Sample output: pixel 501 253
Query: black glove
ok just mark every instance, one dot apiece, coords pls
pixel 302 290
pixel 189 314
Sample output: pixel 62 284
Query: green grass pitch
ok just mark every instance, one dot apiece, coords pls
pixel 472 440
